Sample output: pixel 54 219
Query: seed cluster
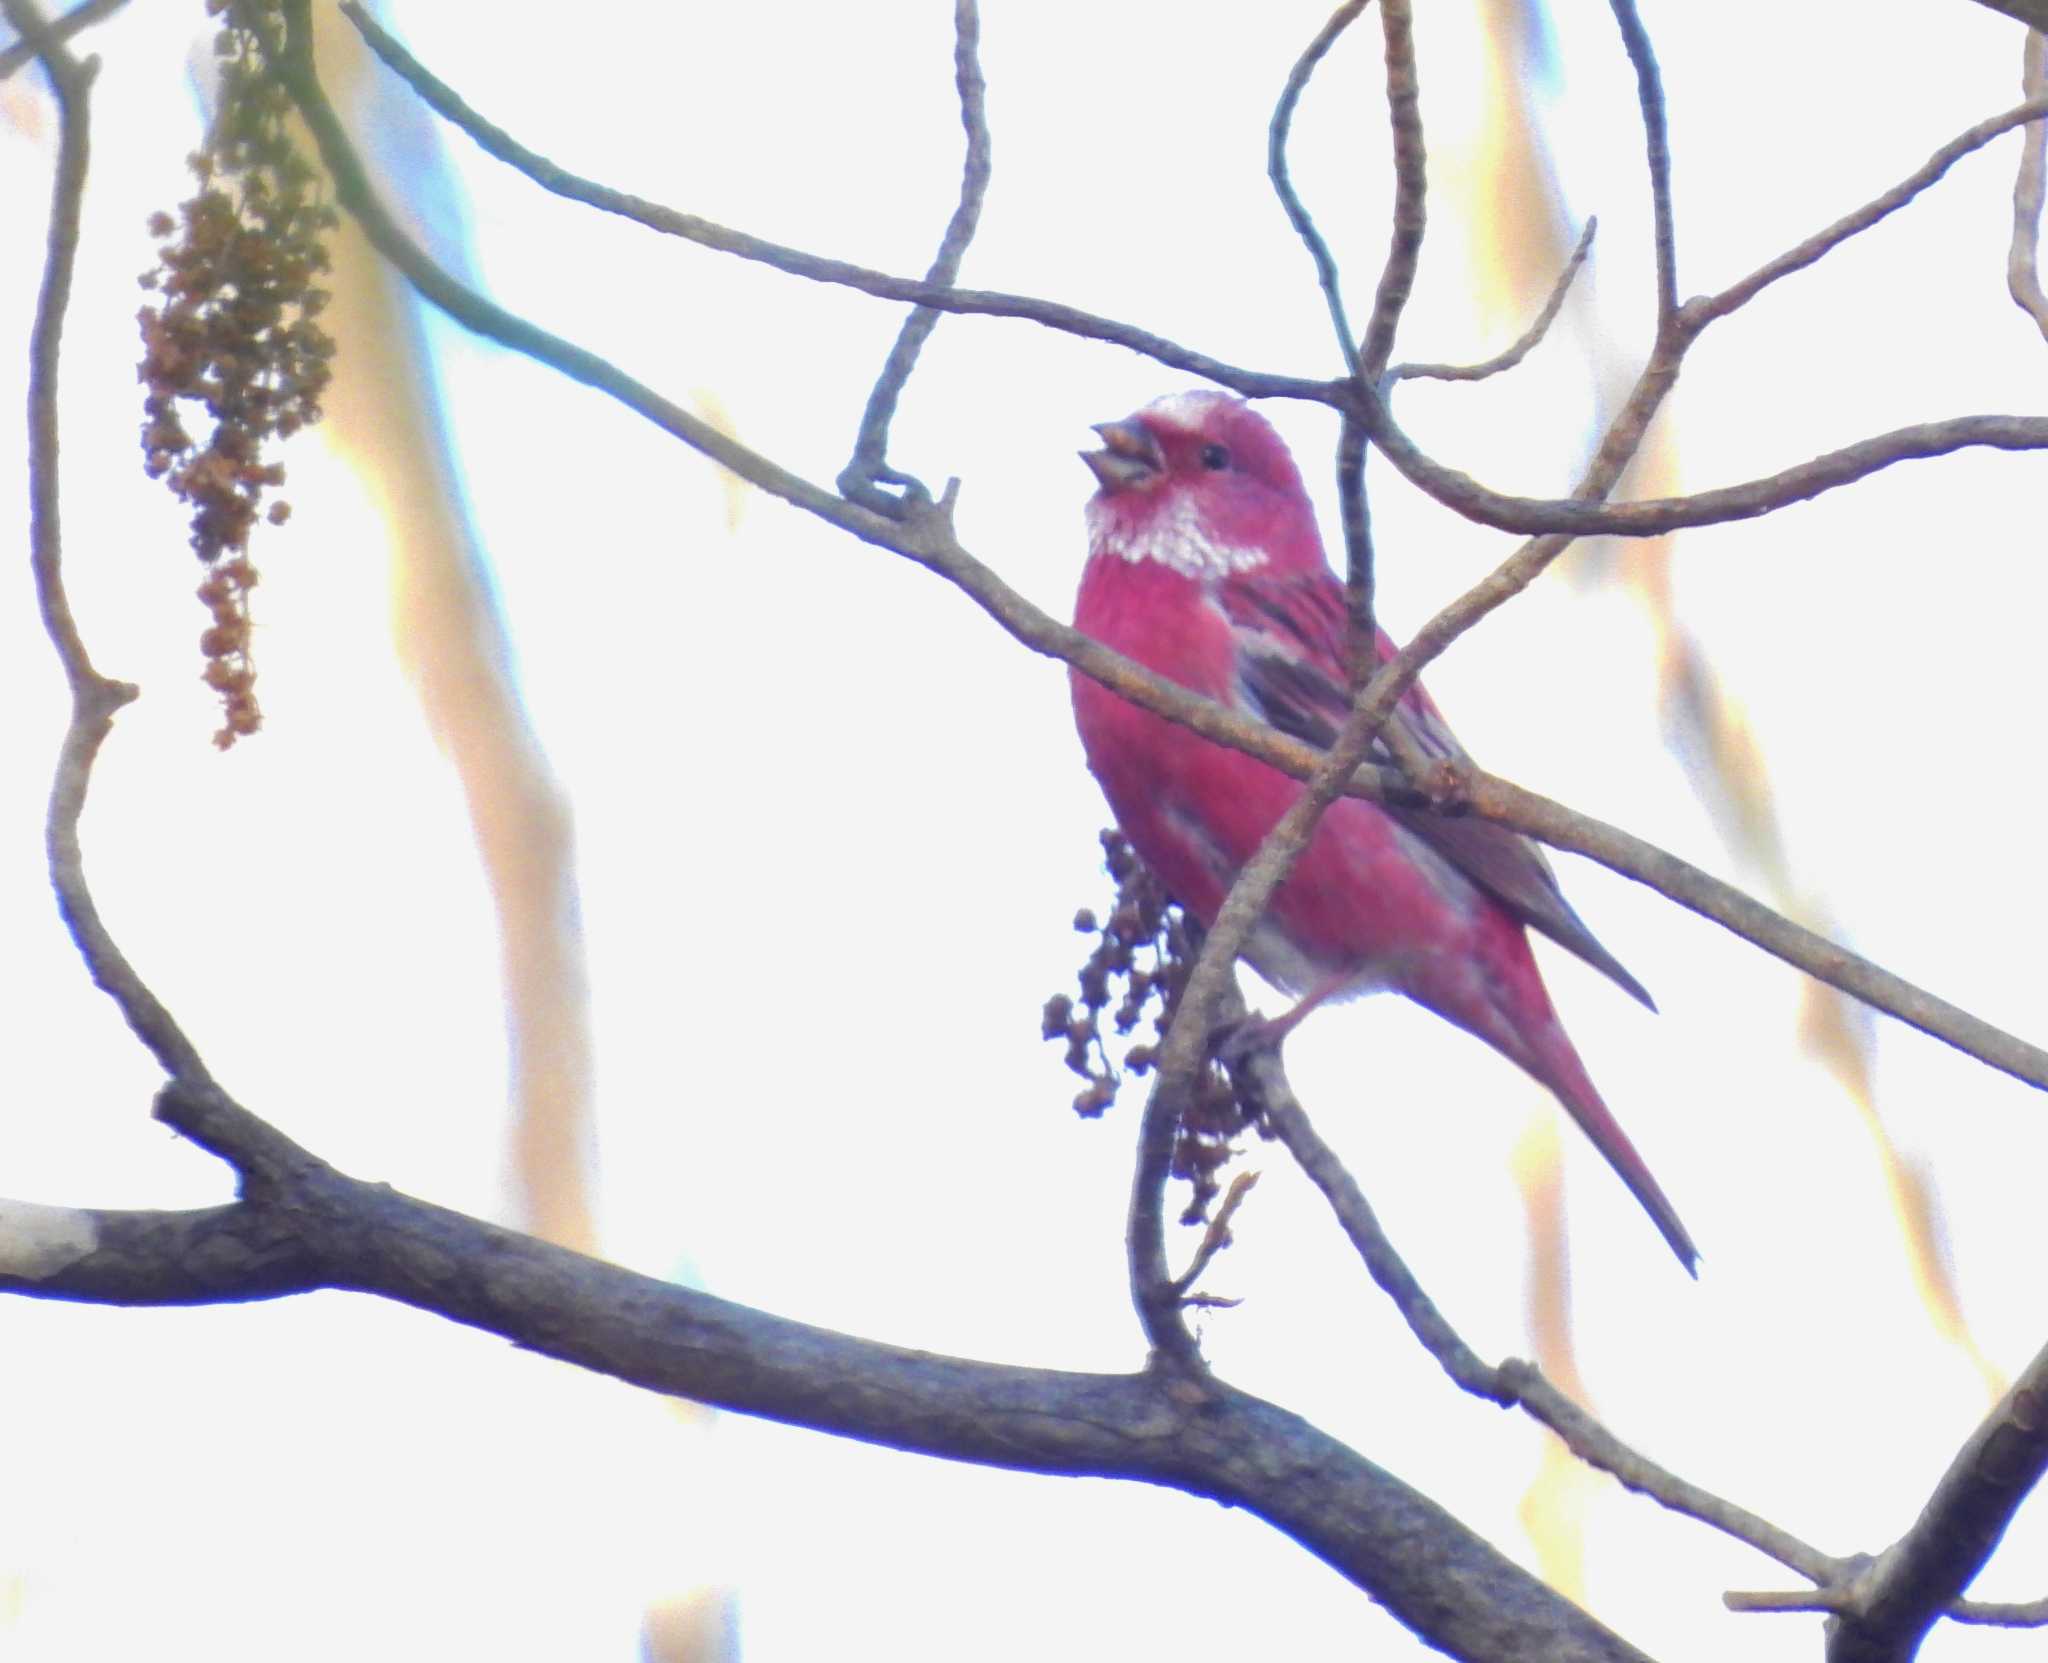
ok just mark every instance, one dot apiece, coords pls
pixel 232 333
pixel 1143 952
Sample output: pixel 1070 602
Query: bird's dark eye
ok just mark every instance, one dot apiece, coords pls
pixel 1215 458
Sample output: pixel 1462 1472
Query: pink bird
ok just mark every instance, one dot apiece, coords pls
pixel 1205 566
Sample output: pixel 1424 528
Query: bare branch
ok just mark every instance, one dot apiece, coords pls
pixel 1530 338
pixel 2022 268
pixel 1562 828
pixel 1283 184
pixel 94 697
pixel 1513 1382
pixel 2000 1614
pixel 1217 1236
pixel 1355 515
pixel 2031 12
pixel 1411 190
pixel 23 52
pixel 1188 1042
pixel 1653 517
pixel 1879 208
pixel 1265 1076
pixel 927 538
pixel 1635 39
pixel 496 142
pixel 303 1226
pixel 863 478
pixel 1351 443
pixel 1906 1591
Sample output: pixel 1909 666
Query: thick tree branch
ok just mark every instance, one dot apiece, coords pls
pixel 1905 1591
pixel 305 1226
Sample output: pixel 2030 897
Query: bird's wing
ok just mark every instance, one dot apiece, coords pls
pixel 1289 632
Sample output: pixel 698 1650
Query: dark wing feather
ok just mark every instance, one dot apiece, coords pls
pixel 1289 632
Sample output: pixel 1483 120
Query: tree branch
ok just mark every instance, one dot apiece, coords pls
pixel 2022 262
pixel 1530 339
pixel 25 51
pixel 1513 1382
pixel 1298 216
pixel 1411 190
pixel 1635 40
pixel 863 478
pixel 304 1226
pixel 817 268
pixel 1890 1607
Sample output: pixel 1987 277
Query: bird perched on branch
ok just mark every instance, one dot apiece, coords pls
pixel 1205 566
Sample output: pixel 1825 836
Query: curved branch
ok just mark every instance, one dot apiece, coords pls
pixel 495 141
pixel 94 697
pixel 1513 1382
pixel 1530 338
pixel 1298 216
pixel 864 477
pixel 1635 40
pixel 1411 190
pixel 926 537
pixel 1653 517
pixel 304 1226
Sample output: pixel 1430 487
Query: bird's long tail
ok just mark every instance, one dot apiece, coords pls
pixel 1507 1006
pixel 1559 1068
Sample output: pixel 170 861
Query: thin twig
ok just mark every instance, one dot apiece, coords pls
pixel 1530 339
pixel 94 697
pixel 1573 517
pixel 1283 184
pixel 1496 799
pixel 1635 40
pixel 83 16
pixel 1281 1111
pixel 1514 1382
pixel 1880 207
pixel 1453 489
pixel 1187 1046
pixel 927 538
pixel 1827 1600
pixel 2031 1613
pixel 2022 267
pixel 1216 1237
pixel 495 141
pixel 1411 190
pixel 863 478
pixel 1355 515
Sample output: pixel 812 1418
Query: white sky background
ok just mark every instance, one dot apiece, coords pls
pixel 832 824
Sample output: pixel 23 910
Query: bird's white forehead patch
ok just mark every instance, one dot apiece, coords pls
pixel 1187 411
pixel 1175 533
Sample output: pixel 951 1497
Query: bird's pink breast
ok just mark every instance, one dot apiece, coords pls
pixel 1365 901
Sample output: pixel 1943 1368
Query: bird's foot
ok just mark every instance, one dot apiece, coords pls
pixel 1234 1044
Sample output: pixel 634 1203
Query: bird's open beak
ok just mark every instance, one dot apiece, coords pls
pixel 1130 457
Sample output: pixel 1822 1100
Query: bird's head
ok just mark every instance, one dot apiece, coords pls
pixel 1200 482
